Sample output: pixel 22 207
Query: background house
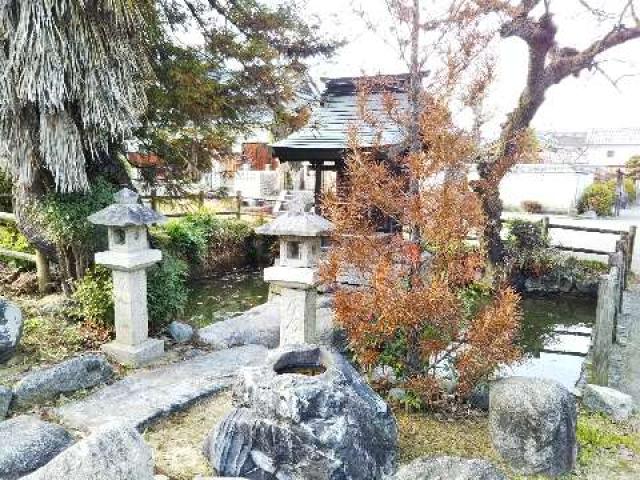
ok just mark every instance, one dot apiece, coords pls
pixel 605 148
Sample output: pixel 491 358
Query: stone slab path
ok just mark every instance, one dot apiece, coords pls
pixel 145 396
pixel 625 369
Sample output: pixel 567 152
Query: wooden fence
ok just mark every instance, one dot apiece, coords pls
pixel 624 244
pixel 611 289
pixel 40 259
pixel 199 199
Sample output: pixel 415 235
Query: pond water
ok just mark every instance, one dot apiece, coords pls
pixel 555 337
pixel 555 332
pixel 215 299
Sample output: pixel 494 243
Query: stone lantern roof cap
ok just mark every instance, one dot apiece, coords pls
pixel 297 223
pixel 126 212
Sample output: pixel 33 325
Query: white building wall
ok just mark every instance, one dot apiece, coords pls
pixel 608 155
pixel 556 187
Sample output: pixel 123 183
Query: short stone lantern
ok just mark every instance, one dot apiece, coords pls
pixel 296 271
pixel 128 257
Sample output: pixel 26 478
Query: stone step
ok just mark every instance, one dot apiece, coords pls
pixel 148 395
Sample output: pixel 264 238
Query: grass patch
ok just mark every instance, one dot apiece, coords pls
pixel 177 440
pixel 597 432
pixel 47 339
pixel 608 450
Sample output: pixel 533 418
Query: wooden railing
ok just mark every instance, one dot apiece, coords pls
pixel 40 259
pixel 624 244
pixel 199 199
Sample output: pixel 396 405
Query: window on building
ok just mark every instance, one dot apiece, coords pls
pixel 611 153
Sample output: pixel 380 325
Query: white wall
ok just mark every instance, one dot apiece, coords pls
pixel 597 155
pixel 255 183
pixel 556 187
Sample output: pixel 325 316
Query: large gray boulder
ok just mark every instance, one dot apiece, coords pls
pixel 306 414
pixel 449 468
pixel 533 425
pixel 10 329
pixel 27 443
pixel 113 452
pixel 76 374
pixel 614 403
pixel 5 400
pixel 258 326
pixel 180 332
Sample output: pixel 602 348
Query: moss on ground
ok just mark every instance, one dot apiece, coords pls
pixel 177 440
pixel 46 339
pixel 608 450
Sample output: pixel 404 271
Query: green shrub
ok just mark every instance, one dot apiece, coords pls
pixel 630 188
pixel 524 235
pixel 599 197
pixel 93 296
pixel 167 294
pixel 190 238
pixel 12 239
pixel 167 291
pixel 65 215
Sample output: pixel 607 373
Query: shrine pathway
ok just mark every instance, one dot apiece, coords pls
pixel 147 395
pixel 624 373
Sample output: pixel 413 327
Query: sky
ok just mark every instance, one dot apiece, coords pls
pixel 589 101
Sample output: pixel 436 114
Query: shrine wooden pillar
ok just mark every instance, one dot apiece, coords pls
pixel 317 190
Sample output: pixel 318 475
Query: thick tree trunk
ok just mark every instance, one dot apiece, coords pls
pixel 492 170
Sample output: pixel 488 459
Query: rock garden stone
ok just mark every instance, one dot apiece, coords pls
pixel 259 326
pixel 180 332
pixel 76 374
pixel 10 329
pixel 614 403
pixel 449 468
pixel 5 400
pixel 384 373
pixel 112 452
pixel 306 414
pixel 533 425
pixel 28 443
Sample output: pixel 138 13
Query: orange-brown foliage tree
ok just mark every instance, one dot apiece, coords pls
pixel 413 311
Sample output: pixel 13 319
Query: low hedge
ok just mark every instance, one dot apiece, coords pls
pixel 600 197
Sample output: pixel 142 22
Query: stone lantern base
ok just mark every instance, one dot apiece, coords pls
pixel 135 355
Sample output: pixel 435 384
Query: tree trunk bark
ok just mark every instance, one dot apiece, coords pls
pixel 492 170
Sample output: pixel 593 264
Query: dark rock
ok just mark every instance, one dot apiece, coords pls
pixel 69 376
pixel 479 397
pixel 114 452
pixel 5 400
pixel 449 468
pixel 27 444
pixel 588 286
pixel 306 414
pixel 180 332
pixel 10 329
pixel 606 400
pixel 533 425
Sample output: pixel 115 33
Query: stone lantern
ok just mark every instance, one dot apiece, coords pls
pixel 128 257
pixel 296 271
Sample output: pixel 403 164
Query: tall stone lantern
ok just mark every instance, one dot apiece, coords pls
pixel 296 271
pixel 128 257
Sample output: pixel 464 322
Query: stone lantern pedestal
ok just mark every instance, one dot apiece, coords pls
pixel 296 271
pixel 128 258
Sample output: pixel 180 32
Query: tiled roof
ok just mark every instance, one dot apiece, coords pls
pixel 594 137
pixel 339 110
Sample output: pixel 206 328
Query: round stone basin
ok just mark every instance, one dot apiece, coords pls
pixel 308 362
